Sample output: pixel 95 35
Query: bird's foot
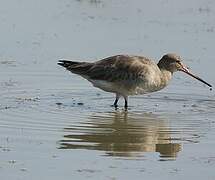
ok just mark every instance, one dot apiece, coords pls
pixel 115 106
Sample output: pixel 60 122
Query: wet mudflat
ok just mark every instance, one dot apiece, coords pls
pixel 55 125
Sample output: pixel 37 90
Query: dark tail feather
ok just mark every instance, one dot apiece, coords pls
pixel 67 64
pixel 81 68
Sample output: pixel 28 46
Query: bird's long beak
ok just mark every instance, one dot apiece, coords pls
pixel 187 71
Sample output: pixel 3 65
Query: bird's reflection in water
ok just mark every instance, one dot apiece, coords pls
pixel 122 133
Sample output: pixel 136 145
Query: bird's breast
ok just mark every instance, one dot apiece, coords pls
pixel 152 81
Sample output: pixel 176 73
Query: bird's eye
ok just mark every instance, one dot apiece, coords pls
pixel 177 61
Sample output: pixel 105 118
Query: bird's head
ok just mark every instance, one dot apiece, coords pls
pixel 173 63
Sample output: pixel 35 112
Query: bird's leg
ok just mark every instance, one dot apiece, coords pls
pixel 126 101
pixel 116 100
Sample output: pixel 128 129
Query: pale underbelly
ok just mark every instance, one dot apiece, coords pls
pixel 124 89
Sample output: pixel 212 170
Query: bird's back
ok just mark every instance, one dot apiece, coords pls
pixel 111 68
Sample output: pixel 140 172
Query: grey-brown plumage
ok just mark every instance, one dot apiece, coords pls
pixel 128 75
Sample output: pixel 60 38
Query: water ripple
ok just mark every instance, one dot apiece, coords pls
pixel 81 119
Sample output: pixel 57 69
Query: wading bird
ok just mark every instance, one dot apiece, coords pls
pixel 127 75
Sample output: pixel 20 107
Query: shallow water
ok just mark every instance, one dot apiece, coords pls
pixel 55 125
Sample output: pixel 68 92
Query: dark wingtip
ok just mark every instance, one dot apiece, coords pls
pixel 62 62
pixel 67 63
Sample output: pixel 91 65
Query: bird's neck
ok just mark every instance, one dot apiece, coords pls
pixel 165 77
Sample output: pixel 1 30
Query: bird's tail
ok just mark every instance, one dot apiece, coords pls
pixel 81 68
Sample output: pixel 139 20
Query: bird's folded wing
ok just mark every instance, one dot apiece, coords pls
pixel 119 68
